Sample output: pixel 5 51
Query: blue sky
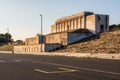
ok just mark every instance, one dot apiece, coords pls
pixel 23 20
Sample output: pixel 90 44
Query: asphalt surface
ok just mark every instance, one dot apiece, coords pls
pixel 31 67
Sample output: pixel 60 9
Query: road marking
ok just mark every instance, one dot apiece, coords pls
pixel 17 60
pixel 42 71
pixel 87 69
pixel 6 61
pixel 2 61
pixel 64 70
pixel 93 70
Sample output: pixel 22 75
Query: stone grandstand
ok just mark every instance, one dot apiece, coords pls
pixel 66 31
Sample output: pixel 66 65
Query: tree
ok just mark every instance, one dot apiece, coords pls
pixel 5 38
pixel 118 26
pixel 2 38
pixel 114 27
pixel 8 37
pixel 19 42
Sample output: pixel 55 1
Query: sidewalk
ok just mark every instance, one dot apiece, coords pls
pixel 83 55
pixel 68 54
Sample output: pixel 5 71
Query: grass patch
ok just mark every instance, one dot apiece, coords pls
pixel 7 47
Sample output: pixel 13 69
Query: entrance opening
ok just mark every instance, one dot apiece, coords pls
pixel 101 28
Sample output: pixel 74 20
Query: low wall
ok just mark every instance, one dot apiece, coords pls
pixel 51 47
pixel 85 55
pixel 6 52
pixel 29 48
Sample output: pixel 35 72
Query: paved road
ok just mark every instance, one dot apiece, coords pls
pixel 31 67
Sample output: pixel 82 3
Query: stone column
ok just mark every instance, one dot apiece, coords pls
pixel 72 24
pixel 67 28
pixel 56 27
pixel 66 23
pixel 84 21
pixel 59 27
pixel 62 26
pixel 79 23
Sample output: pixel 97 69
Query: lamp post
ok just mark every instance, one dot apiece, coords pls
pixel 41 40
pixel 8 35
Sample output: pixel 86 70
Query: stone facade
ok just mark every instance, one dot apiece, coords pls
pixel 36 48
pixel 36 45
pixel 65 31
pixel 60 38
pixel 29 48
pixel 38 39
pixel 32 45
pixel 96 23
pixel 68 30
pixel 66 38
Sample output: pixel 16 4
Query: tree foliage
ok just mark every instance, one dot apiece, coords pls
pixel 5 38
pixel 114 27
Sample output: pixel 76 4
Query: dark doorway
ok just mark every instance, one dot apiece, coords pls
pixel 101 28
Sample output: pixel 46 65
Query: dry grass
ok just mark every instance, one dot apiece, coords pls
pixel 7 47
pixel 108 42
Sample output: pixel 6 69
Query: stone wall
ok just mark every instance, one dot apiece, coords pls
pixel 78 35
pixel 53 28
pixel 36 48
pixel 60 38
pixel 35 40
pixel 102 23
pixel 29 48
pixel 65 38
pixel 31 41
pixel 91 23
pixel 51 47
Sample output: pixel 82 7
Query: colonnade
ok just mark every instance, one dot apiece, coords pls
pixel 70 24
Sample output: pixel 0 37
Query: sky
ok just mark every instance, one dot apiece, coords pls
pixel 22 17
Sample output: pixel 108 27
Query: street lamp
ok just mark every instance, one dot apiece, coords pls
pixel 8 35
pixel 41 33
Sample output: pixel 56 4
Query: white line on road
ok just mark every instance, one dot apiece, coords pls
pixel 94 70
pixel 8 61
pixel 42 71
pixel 2 61
pixel 64 70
